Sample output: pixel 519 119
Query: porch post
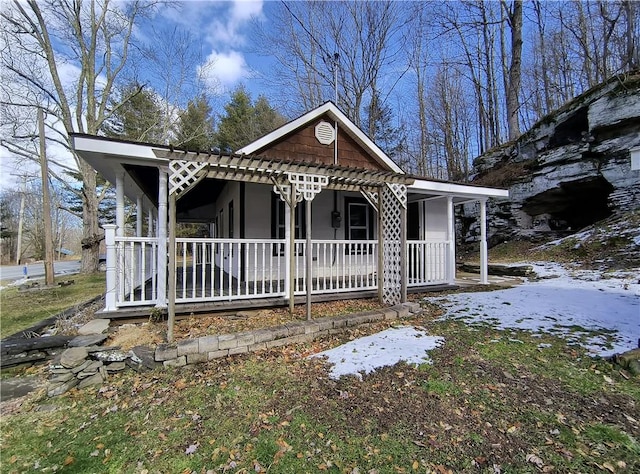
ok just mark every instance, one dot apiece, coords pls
pixel 161 301
pixel 120 203
pixel 484 268
pixel 308 256
pixel 111 276
pixel 403 254
pixel 380 248
pixel 292 248
pixel 451 239
pixel 172 267
pixel 139 212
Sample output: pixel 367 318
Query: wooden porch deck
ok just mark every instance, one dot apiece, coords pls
pixel 257 303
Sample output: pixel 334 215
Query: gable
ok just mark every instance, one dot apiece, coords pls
pixel 296 141
pixel 301 145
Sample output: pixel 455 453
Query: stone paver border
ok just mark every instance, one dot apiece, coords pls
pixel 202 349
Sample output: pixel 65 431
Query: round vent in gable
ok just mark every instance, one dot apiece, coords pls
pixel 325 133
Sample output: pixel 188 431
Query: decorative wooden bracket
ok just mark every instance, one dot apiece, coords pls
pixel 306 186
pixel 371 195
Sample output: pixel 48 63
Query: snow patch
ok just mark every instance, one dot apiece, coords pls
pixel 595 309
pixel 385 348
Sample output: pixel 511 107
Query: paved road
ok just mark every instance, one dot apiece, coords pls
pixel 36 270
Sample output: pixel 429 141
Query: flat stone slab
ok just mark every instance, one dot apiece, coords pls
pixel 18 387
pixel 110 355
pixel 88 340
pixel 73 357
pixel 96 326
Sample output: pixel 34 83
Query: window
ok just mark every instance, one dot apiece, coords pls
pixel 359 222
pixel 278 212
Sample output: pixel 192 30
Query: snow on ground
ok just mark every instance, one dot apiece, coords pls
pixel 385 348
pixel 600 311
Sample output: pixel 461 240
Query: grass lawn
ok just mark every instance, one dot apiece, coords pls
pixel 20 310
pixel 491 402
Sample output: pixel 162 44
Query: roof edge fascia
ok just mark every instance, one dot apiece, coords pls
pixel 115 147
pixel 457 189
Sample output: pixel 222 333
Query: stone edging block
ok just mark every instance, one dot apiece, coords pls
pixel 193 351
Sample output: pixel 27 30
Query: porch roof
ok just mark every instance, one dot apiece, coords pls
pixel 260 170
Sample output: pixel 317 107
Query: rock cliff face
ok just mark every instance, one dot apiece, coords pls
pixel 570 170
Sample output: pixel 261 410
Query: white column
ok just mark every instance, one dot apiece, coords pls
pixel 162 239
pixel 139 212
pixel 111 276
pixel 150 223
pixel 484 258
pixel 120 203
pixel 451 240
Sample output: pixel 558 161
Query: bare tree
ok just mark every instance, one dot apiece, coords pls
pixel 65 56
pixel 352 41
pixel 514 19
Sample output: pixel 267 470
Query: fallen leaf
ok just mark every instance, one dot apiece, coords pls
pixel 608 467
pixel 512 429
pixel 68 460
pixel 415 465
pixel 533 459
pixel 192 448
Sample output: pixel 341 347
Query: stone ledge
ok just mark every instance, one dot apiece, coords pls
pixel 193 351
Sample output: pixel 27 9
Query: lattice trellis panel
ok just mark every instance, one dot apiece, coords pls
pixel 392 275
pixel 183 175
pixel 400 192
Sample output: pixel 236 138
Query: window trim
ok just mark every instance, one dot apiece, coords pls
pixel 348 201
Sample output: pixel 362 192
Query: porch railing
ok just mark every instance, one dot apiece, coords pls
pixel 337 265
pixel 228 269
pixel 225 269
pixel 136 269
pixel 427 262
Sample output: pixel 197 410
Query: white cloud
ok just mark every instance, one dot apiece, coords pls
pixel 243 10
pixel 224 69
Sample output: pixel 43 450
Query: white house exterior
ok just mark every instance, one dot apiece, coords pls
pixel 316 183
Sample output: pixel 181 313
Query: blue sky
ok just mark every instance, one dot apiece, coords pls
pixel 222 32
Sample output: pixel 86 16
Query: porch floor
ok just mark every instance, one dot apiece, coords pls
pixel 257 303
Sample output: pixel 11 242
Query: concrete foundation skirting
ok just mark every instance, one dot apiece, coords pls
pixel 202 349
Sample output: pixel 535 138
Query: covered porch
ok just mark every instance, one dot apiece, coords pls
pixel 278 230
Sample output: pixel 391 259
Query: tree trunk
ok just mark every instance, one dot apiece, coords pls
pixel 513 101
pixel 91 232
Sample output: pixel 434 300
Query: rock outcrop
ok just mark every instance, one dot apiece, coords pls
pixel 571 169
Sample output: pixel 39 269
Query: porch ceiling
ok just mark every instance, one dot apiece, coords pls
pixel 253 169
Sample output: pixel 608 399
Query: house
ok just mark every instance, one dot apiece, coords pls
pixel 313 208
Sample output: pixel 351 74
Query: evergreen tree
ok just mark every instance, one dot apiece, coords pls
pixel 195 129
pixel 137 117
pixel 380 129
pixel 245 122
